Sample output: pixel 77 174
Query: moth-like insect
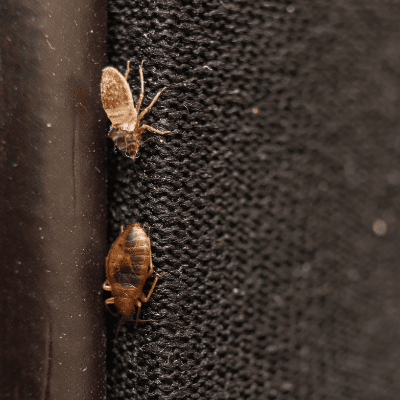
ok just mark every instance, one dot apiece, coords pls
pixel 118 103
pixel 128 265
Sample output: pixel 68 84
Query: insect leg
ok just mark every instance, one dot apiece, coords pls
pixel 151 105
pixel 110 301
pixel 142 297
pixel 151 261
pixel 126 144
pixel 139 306
pixel 127 71
pixel 106 286
pixel 143 127
pixel 121 322
pixel 139 103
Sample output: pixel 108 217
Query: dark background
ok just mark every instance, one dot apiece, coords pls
pixel 273 205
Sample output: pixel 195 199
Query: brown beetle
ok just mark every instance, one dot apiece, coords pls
pixel 128 265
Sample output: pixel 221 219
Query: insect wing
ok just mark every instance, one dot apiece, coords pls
pixel 117 98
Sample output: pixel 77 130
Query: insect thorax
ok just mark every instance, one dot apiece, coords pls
pixel 127 142
pixel 126 302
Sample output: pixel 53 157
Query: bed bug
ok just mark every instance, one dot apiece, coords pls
pixel 128 265
pixel 125 118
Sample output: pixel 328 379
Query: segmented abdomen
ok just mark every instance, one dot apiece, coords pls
pixel 138 246
pixel 125 141
pixel 129 258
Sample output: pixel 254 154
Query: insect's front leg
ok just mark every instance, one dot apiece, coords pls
pixel 107 286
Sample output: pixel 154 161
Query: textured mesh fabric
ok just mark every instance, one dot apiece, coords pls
pixel 274 204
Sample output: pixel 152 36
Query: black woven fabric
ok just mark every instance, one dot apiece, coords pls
pixel 274 204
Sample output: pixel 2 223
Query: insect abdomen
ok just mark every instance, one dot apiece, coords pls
pixel 138 247
pixel 129 258
pixel 126 142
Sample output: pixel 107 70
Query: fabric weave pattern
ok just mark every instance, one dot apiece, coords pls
pixel 262 201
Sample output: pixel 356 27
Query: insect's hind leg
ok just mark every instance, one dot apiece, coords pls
pixel 151 261
pixel 139 306
pixel 146 298
pixel 151 105
pixel 110 301
pixel 139 103
pixel 144 127
pixel 121 322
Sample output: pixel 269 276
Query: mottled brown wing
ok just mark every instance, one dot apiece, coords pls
pixel 117 98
